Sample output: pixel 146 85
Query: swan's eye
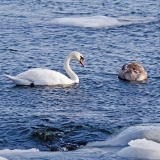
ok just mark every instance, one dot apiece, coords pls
pixel 81 58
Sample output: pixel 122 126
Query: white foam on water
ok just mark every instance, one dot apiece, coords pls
pixel 143 141
pixel 141 148
pixel 16 153
pixel 95 22
pixel 134 142
pixel 2 158
pixel 6 151
pixel 100 21
pixel 145 144
pixel 91 153
pixel 132 133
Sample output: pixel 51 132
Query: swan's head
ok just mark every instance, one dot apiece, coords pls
pixel 78 57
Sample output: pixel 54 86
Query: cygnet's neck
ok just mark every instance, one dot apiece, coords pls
pixel 69 71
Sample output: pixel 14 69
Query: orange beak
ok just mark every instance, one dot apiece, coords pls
pixel 82 61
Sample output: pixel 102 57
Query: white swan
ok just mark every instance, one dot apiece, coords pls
pixel 132 72
pixel 39 76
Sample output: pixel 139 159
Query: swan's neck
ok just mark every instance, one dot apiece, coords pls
pixel 69 71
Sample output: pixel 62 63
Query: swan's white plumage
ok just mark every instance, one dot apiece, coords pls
pixel 39 76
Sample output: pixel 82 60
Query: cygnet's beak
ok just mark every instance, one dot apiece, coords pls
pixel 82 61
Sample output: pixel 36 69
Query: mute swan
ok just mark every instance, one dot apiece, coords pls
pixel 132 72
pixel 39 76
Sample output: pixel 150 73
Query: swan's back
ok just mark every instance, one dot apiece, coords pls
pixel 40 76
pixel 132 72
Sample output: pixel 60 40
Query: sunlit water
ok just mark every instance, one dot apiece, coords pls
pixel 108 34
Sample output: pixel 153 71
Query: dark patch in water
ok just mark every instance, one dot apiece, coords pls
pixel 64 147
pixel 13 50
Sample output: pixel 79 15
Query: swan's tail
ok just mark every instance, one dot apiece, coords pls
pixel 8 76
pixel 18 81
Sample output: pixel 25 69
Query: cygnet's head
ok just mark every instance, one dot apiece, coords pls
pixel 78 56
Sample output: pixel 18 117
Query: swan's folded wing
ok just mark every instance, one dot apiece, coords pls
pixel 18 81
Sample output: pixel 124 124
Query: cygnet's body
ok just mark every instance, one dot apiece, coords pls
pixel 132 72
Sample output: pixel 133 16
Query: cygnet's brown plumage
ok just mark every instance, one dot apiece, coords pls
pixel 132 72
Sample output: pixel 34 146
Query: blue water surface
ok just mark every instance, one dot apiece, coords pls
pixel 100 106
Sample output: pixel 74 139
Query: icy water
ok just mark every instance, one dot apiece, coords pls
pixel 56 120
